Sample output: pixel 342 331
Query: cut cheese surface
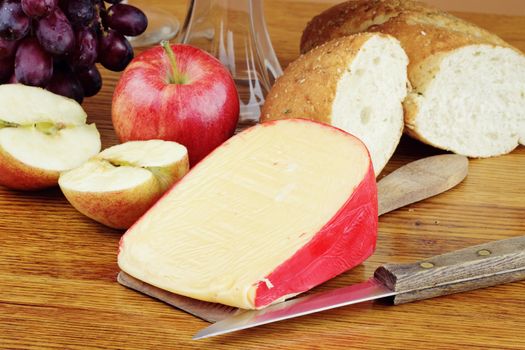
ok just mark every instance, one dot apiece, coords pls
pixel 271 213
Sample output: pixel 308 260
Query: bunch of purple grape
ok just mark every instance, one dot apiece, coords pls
pixel 55 43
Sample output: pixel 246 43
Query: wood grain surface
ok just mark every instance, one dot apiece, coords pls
pixel 58 269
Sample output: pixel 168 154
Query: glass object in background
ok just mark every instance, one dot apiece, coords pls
pixel 235 32
pixel 161 25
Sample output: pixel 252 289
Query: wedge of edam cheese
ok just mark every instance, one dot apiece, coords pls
pixel 273 212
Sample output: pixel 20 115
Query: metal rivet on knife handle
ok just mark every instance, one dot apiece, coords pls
pixel 426 265
pixel 484 252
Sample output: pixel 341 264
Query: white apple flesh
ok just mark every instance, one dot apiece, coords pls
pixel 41 135
pixel 120 184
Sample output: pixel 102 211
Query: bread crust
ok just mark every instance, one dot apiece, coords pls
pixel 403 18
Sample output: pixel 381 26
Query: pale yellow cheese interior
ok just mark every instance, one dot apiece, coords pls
pixel 244 210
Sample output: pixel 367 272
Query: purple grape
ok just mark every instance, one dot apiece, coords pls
pixel 7 66
pixel 38 8
pixel 7 48
pixel 33 65
pixel 55 33
pixel 90 80
pixel 86 49
pixel 14 24
pixel 55 43
pixel 115 51
pixel 80 12
pixel 126 19
pixel 63 82
pixel 63 5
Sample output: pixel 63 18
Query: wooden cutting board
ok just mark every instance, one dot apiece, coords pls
pixel 58 268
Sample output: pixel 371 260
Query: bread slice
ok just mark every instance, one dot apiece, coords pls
pixel 468 84
pixel 354 83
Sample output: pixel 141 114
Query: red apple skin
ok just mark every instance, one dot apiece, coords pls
pixel 19 176
pixel 201 114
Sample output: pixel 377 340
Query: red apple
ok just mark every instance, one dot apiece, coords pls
pixel 176 93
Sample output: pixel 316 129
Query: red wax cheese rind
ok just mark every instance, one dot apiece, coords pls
pixel 273 212
pixel 345 242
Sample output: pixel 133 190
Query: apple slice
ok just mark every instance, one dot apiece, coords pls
pixel 41 135
pixel 121 183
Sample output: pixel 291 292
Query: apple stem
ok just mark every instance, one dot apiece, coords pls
pixel 176 77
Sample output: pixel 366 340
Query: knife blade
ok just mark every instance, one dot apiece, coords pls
pixel 466 269
pixel 408 184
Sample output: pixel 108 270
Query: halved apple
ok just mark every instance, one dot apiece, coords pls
pixel 41 135
pixel 121 183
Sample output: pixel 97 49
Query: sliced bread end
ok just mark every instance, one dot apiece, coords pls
pixel 474 102
pixel 356 83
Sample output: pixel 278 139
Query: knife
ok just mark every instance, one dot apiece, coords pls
pixel 408 184
pixel 476 267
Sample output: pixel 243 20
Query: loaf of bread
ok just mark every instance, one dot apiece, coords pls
pixel 356 83
pixel 468 84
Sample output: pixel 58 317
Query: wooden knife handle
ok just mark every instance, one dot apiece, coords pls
pixel 419 180
pixel 463 270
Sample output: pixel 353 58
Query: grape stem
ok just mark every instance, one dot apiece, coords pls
pixel 176 77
